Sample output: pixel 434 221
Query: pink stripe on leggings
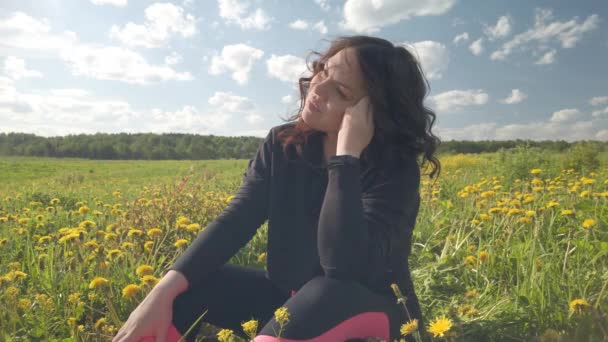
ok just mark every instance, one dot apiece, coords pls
pixel 365 325
pixel 172 336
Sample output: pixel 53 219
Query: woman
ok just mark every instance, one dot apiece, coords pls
pixel 339 187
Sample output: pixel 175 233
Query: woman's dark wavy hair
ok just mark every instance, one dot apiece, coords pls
pixel 396 88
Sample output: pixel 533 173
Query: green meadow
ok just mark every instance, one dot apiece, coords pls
pixel 508 246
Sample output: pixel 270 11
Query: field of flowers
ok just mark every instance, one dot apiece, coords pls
pixel 499 253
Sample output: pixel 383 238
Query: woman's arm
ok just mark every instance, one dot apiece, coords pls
pixel 357 228
pixel 236 225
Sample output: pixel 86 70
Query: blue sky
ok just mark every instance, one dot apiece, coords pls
pixel 497 69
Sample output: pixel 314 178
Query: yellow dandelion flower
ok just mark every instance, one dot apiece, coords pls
pixel 567 212
pixel 470 260
pixel 525 220
pixel 588 223
pixel 262 258
pixel 281 315
pixel 100 323
pixel 144 270
pixel 148 246
pixel 83 210
pixel 183 221
pixel 440 326
pixel 130 291
pixel 484 256
pixel 72 322
pixel 149 280
pixel 135 232
pixel 98 282
pixel 193 227
pixel 24 304
pixel 55 201
pixel 535 171
pixel 225 335
pixel 471 294
pixel 180 243
pixel 88 224
pixel 110 236
pixel 552 204
pixel 250 328
pixel 154 232
pixel 114 253
pixel 409 327
pixel 578 305
pixel 530 213
pixel 44 239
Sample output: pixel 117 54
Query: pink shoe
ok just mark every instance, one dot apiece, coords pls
pixel 172 336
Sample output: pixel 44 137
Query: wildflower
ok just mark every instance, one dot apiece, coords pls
pixel 134 232
pixel 552 204
pixel 440 326
pixel 88 224
pixel 98 282
pixel 54 201
pixel 578 305
pixel 71 321
pixel 154 232
pixel 148 246
pixel 193 227
pixel 149 280
pixel 525 220
pixel 250 328
pixel 110 236
pixel 83 210
pixel 114 253
pixel 24 304
pixel 567 212
pixel 281 315
pixel 262 258
pixel 588 223
pixel 44 239
pixel 144 270
pixel 484 256
pixel 180 243
pixel 409 327
pixel 130 291
pixel 225 335
pixel 100 323
pixel 530 213
pixel 471 293
pixel 470 260
pixel 535 171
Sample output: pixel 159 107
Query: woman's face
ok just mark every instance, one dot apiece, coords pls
pixel 338 86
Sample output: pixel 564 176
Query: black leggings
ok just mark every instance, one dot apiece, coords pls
pixel 322 310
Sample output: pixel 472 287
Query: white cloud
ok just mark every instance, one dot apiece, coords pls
pixel 476 47
pixel 598 100
pixel 47 113
pixel 21 31
pixel 433 57
pixel 236 12
pixel 15 68
pixel 461 37
pixel 120 64
pixel 118 3
pixel 543 32
pixel 254 118
pixel 323 4
pixel 162 20
pixel 565 115
pixel 500 30
pixel 173 58
pixel 368 16
pixel 320 26
pixel 287 99
pixel 547 58
pixel 238 59
pixel 299 24
pixel 188 119
pixel 228 102
pixel 582 130
pixel 454 100
pixel 600 112
pixel 286 68
pixel 516 96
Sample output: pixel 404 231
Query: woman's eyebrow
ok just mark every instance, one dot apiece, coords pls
pixel 342 84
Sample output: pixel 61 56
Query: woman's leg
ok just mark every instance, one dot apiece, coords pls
pixel 232 295
pixel 328 310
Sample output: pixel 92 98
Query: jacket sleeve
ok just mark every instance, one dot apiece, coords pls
pixel 358 229
pixel 236 225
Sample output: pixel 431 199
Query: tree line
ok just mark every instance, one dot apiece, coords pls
pixel 174 146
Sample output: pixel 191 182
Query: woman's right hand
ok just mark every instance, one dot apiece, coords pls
pixel 152 317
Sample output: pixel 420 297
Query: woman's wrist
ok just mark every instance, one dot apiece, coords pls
pixel 172 284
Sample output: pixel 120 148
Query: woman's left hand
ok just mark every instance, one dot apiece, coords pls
pixel 357 128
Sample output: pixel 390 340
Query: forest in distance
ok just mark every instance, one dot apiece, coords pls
pixel 176 146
